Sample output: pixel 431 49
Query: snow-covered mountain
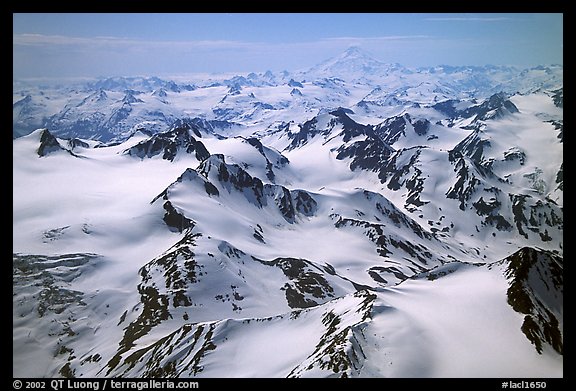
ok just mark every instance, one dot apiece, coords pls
pixel 113 108
pixel 397 225
pixel 354 63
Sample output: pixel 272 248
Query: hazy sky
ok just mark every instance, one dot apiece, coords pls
pixel 71 45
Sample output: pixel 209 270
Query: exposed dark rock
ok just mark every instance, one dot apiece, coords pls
pixel 339 350
pixel 170 143
pixel 350 127
pixel 176 355
pixel 75 143
pixel 175 219
pixel 52 274
pixel 376 271
pixel 484 208
pixel 234 177
pixel 295 92
pixel 497 106
pixel 396 169
pixel 294 83
pixel 559 125
pixel 491 209
pixel 177 268
pixel 515 154
pixel 258 234
pixel 283 200
pixel 130 98
pixel 392 128
pixel 211 189
pixel 560 177
pixel 189 175
pixel 537 289
pixel 558 98
pixel 340 116
pixel 518 201
pixel 494 107
pixel 466 182
pixel 448 108
pixel 386 243
pixel 307 131
pixel 279 159
pixel 473 146
pixel 306 282
pixel 421 126
pixel 303 202
pixel 48 143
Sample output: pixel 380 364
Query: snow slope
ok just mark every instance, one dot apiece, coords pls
pixel 431 327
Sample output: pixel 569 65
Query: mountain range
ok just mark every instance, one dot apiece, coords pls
pixel 359 219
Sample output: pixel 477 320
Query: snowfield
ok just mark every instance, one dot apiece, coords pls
pixel 435 328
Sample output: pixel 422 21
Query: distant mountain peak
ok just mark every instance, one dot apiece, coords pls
pixel 131 98
pixel 353 63
pixel 353 55
pixel 356 51
pixel 26 100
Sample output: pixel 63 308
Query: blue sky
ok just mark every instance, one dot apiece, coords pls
pixel 73 45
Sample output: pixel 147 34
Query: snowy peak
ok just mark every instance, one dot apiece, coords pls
pixel 354 53
pixel 26 101
pixel 405 127
pixel 145 84
pixel 235 180
pixel 495 107
pixel 130 98
pixel 335 123
pixel 103 109
pixel 273 158
pixel 354 63
pixel 161 93
pixel 48 143
pixel 354 58
pixel 170 143
pixel 97 97
pixel 28 114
